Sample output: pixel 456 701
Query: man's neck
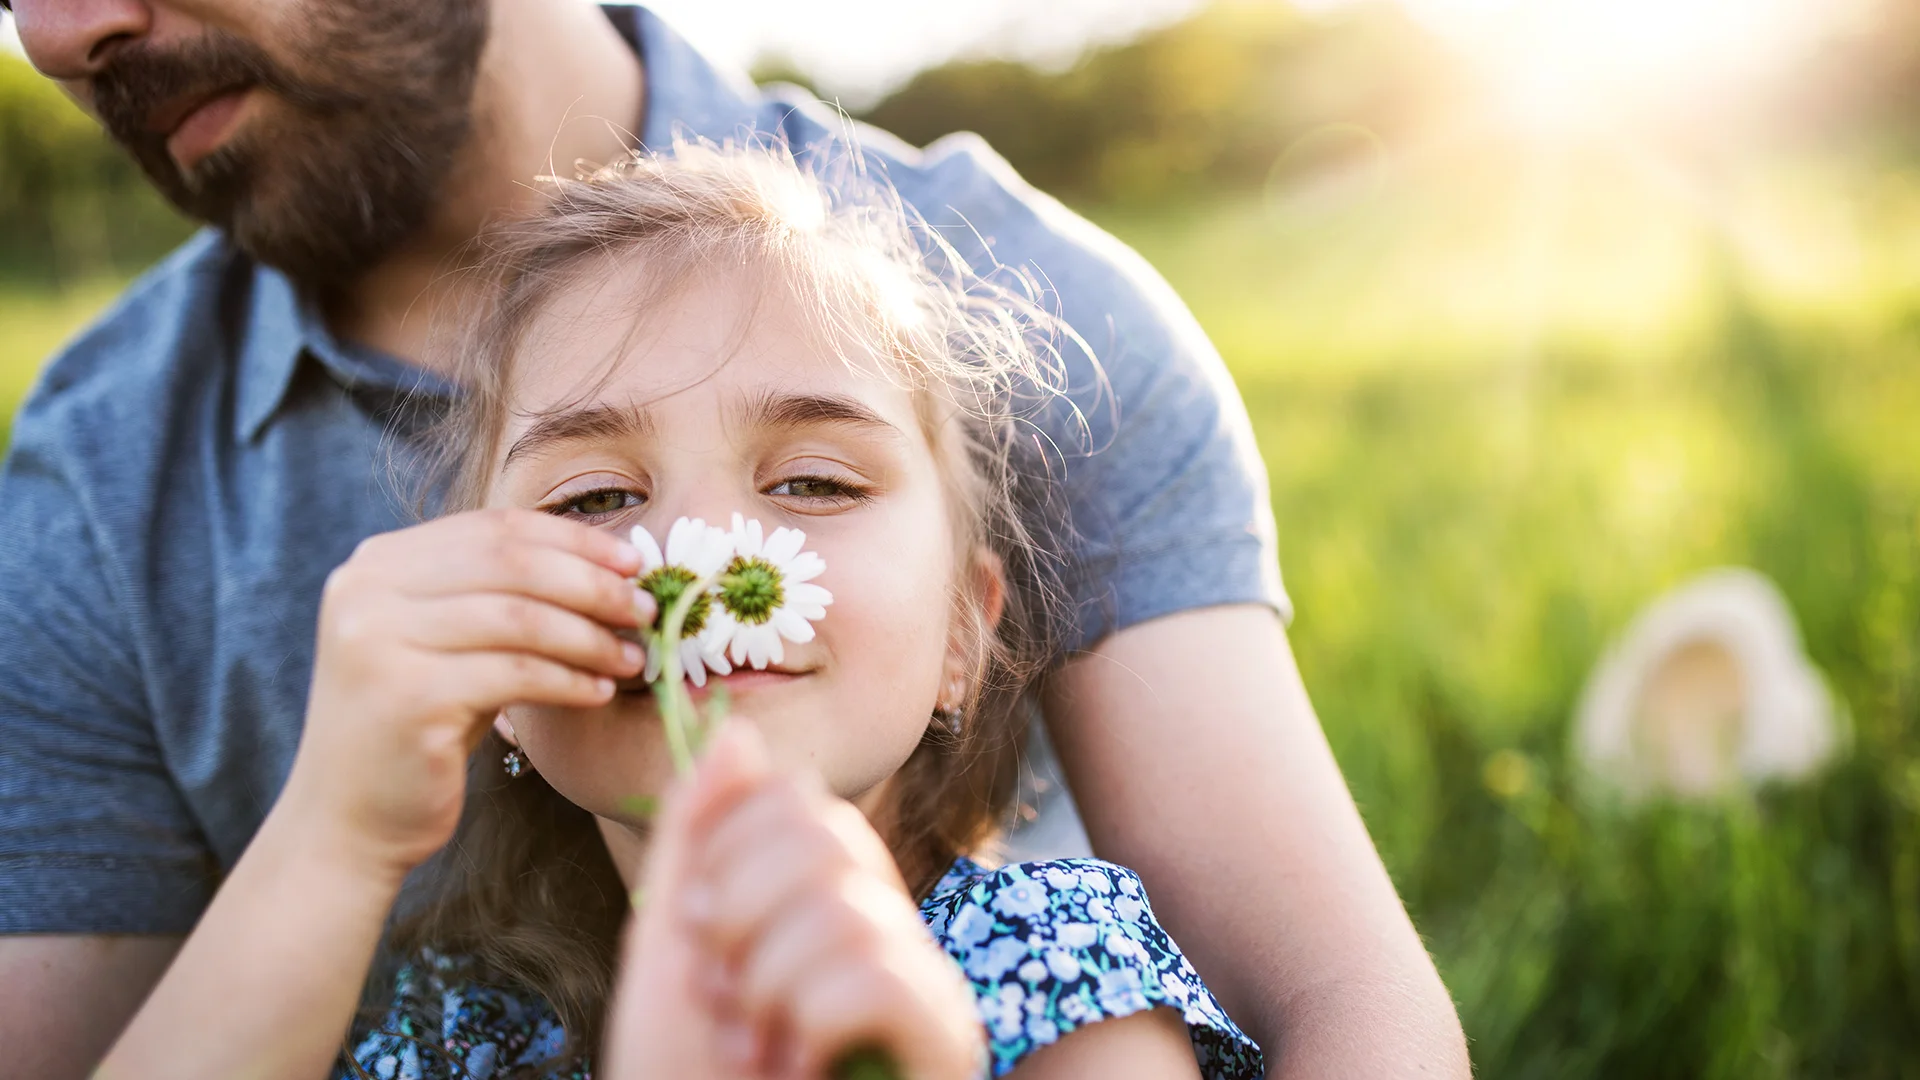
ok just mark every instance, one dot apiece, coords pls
pixel 558 85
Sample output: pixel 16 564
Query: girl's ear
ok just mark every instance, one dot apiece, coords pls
pixel 989 586
pixel 982 600
pixel 503 727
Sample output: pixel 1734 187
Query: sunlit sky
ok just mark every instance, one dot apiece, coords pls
pixel 1553 58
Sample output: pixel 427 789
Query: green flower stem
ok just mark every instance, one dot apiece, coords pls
pixel 677 713
pixel 866 1063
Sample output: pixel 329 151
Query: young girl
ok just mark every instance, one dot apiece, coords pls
pixel 702 335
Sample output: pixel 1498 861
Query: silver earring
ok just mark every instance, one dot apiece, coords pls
pixel 950 718
pixel 515 762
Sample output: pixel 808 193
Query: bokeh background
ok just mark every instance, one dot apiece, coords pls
pixel 1540 307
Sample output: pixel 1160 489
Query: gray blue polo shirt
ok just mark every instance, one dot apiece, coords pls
pixel 189 470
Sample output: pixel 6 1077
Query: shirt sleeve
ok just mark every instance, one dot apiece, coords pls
pixel 95 837
pixel 1052 947
pixel 1170 508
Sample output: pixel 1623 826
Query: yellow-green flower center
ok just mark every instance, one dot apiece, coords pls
pixel 668 584
pixel 751 590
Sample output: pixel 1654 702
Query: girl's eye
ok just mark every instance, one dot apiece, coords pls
pixel 595 504
pixel 820 488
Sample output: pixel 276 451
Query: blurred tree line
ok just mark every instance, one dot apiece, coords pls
pixel 1211 102
pixel 1221 100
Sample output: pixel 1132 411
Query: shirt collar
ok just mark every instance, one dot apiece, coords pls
pixel 686 94
pixel 283 328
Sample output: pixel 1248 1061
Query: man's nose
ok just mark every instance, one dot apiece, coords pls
pixel 75 39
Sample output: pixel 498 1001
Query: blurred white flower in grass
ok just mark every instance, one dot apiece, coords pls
pixel 767 595
pixel 695 551
pixel 1708 687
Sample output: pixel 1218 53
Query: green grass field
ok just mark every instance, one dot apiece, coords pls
pixel 34 322
pixel 1500 410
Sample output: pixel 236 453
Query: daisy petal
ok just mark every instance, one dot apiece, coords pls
pixel 712 551
pixel 792 626
pixel 746 536
pixel 650 557
pixel 683 539
pixel 783 545
pixel 805 567
pixel 802 594
pixel 737 648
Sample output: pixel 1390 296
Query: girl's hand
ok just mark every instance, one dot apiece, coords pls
pixel 798 940
pixel 425 634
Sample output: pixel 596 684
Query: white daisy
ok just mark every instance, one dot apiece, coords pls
pixel 766 595
pixel 695 551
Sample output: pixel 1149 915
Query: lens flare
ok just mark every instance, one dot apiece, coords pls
pixel 1557 63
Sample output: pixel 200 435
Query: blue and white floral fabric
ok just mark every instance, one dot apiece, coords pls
pixel 1054 946
pixel 1049 947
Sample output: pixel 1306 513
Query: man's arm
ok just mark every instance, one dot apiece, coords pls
pixel 101 865
pixel 65 997
pixel 1196 760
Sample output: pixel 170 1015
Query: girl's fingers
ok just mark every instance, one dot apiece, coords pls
pixel 490 681
pixel 773 846
pixel 854 919
pixel 557 577
pixel 508 622
pixel 732 767
pixel 849 1005
pixel 533 554
pixel 512 525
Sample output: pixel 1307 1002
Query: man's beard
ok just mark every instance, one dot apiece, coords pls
pixel 345 163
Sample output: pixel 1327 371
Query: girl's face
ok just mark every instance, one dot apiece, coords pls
pixel 722 402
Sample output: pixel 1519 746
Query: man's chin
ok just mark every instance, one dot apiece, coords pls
pixel 321 222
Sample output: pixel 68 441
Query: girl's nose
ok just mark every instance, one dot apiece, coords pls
pixel 76 39
pixel 711 491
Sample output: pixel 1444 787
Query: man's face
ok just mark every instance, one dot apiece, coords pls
pixel 315 132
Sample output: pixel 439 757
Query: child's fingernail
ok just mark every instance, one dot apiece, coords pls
pixel 737 1044
pixel 626 553
pixel 633 654
pixel 722 986
pixel 696 902
pixel 644 605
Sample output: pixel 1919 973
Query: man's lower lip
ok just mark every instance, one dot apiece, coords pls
pixel 206 128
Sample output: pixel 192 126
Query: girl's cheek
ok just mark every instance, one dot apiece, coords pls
pixel 887 628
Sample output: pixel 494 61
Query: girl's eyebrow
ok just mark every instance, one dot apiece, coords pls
pixel 770 410
pixel 775 410
pixel 590 422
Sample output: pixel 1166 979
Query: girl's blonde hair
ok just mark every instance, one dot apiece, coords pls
pixel 526 889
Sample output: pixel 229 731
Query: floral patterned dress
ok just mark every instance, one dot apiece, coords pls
pixel 1050 947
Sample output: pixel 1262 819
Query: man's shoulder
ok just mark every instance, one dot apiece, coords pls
pixel 167 330
pixel 962 187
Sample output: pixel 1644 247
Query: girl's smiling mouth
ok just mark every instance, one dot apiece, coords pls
pixel 743 680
